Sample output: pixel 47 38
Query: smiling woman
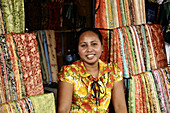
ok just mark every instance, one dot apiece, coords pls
pixel 88 84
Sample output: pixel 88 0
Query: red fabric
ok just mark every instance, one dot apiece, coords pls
pixel 100 22
pixel 29 55
pixel 129 53
pixel 105 54
pixel 158 45
pixel 138 95
pixel 119 13
pixel 118 58
pixel 143 95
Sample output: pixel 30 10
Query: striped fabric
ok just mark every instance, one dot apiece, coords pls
pixel 120 13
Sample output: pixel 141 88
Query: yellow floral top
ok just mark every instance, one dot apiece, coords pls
pixel 90 95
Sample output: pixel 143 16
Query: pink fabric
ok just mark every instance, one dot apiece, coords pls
pixel 159 83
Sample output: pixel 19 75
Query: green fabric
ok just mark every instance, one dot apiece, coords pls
pixel 43 103
pixel 148 66
pixel 127 53
pixel 131 46
pixel 122 13
pixel 146 94
pixel 131 98
pixel 14 16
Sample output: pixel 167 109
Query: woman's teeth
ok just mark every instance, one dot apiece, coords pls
pixel 90 56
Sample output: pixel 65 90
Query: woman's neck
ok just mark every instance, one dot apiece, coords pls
pixel 92 69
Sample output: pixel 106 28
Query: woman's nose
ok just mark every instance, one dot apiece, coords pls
pixel 89 49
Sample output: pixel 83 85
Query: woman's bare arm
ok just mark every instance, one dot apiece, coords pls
pixel 118 97
pixel 65 92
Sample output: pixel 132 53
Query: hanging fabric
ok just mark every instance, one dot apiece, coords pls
pixel 51 43
pixel 16 67
pixel 14 15
pixel 29 56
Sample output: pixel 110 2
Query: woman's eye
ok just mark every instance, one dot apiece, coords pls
pixel 83 45
pixel 94 43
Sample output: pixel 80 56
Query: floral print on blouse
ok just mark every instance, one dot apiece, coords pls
pixel 90 95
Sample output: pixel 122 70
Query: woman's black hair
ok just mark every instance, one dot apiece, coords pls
pixel 95 30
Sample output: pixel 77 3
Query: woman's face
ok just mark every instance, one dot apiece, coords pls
pixel 89 47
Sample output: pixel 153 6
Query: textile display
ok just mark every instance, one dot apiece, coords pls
pixel 46 55
pixel 138 48
pixel 2 26
pixel 100 22
pixel 16 67
pixel 105 54
pixel 158 44
pixel 51 42
pixel 29 56
pixel 151 91
pixel 43 103
pixel 17 106
pixel 43 61
pixel 20 72
pixel 10 85
pixel 47 45
pixel 119 13
pixel 13 15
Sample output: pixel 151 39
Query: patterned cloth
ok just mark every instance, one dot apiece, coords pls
pixel 120 13
pixel 2 84
pixel 100 22
pixel 151 92
pixel 85 99
pixel 43 61
pixel 14 15
pixel 29 56
pixel 47 56
pixel 44 103
pixel 18 75
pixel 158 45
pixel 7 69
pixel 17 106
pixel 51 43
pixel 2 26
pixel 131 99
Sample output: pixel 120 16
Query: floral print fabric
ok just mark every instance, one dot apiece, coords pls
pixel 83 93
pixel 29 56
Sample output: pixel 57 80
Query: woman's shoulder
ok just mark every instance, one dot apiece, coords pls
pixel 70 68
pixel 108 64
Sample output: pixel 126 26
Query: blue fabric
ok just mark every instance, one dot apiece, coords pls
pixel 46 55
pixel 125 68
